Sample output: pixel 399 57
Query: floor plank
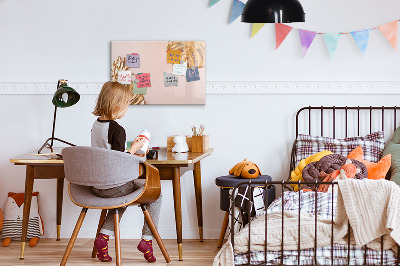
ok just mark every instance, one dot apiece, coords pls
pixel 49 252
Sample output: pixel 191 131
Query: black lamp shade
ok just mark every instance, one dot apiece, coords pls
pixel 65 96
pixel 273 11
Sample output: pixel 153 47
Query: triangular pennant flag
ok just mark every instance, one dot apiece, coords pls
pixel 361 37
pixel 213 2
pixel 281 31
pixel 255 28
pixel 332 41
pixel 389 30
pixel 237 9
pixel 306 39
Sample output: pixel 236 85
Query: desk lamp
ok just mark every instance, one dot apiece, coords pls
pixel 64 96
pixel 272 11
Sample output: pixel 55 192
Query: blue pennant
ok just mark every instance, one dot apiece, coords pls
pixel 237 9
pixel 361 38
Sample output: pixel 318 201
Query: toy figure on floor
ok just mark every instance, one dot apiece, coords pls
pixel 13 215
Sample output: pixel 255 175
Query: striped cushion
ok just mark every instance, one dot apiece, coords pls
pixel 13 228
pixel 372 145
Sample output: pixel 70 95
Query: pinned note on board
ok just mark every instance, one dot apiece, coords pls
pixel 125 77
pixel 174 56
pixel 133 60
pixel 170 80
pixel 136 90
pixel 179 69
pixel 192 74
pixel 144 80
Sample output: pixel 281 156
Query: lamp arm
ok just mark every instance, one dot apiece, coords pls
pixel 54 126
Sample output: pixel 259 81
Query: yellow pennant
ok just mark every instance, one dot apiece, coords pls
pixel 256 27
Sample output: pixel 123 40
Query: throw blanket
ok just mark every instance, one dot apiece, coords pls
pixel 371 206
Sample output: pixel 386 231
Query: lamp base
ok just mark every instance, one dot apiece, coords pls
pixel 50 146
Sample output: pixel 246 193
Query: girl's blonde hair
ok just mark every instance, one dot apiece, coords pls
pixel 112 98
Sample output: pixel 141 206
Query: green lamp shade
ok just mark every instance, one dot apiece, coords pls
pixel 65 96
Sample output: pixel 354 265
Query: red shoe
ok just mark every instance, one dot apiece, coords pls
pixel 101 245
pixel 146 247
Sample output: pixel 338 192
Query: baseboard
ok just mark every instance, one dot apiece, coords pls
pixel 231 87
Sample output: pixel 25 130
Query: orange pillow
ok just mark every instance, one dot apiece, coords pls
pixel 375 170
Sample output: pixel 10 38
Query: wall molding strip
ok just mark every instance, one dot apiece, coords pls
pixel 231 87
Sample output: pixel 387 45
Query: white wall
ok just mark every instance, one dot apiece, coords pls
pixel 42 41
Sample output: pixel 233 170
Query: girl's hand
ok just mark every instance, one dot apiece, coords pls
pixel 137 144
pixel 143 155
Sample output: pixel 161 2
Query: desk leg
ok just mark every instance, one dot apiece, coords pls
pixel 27 206
pixel 197 189
pixel 60 190
pixel 176 182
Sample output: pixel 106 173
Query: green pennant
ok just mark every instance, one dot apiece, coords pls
pixel 213 2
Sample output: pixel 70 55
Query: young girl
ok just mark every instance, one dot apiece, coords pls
pixel 112 103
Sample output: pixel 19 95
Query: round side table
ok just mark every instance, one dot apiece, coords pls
pixel 226 183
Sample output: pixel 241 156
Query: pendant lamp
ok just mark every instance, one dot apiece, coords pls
pixel 272 11
pixel 64 96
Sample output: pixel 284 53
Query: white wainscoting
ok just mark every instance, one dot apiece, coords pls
pixel 233 87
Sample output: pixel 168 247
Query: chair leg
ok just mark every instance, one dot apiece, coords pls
pixel 154 230
pixel 117 239
pixel 73 237
pixel 101 222
pixel 223 229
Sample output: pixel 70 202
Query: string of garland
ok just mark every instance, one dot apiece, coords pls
pixel 361 37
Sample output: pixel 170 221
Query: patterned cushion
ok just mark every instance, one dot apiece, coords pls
pixel 372 144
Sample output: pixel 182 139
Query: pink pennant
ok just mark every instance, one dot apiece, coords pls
pixel 389 30
pixel 281 31
pixel 306 39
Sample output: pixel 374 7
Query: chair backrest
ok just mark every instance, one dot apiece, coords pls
pixel 92 166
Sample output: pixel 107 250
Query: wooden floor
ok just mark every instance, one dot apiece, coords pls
pixel 50 252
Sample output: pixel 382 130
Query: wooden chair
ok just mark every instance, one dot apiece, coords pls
pixel 85 167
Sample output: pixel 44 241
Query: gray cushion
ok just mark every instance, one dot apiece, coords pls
pixel 393 148
pixel 99 167
pixel 83 195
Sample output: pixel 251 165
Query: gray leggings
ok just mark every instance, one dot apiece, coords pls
pixel 154 208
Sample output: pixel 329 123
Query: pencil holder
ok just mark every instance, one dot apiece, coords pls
pixel 200 143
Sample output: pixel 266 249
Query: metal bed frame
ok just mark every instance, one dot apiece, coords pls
pixel 283 184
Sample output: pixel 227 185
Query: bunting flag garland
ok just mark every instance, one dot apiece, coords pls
pixel 281 31
pixel 361 37
pixel 213 2
pixel 332 41
pixel 237 9
pixel 306 39
pixel 256 27
pixel 389 30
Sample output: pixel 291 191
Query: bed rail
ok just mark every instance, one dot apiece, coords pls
pixel 265 185
pixel 343 118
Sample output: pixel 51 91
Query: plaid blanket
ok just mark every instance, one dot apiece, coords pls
pixel 323 205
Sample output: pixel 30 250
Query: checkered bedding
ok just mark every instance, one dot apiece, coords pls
pixel 372 145
pixel 323 207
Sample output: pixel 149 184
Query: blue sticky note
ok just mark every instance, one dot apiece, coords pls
pixel 192 74
pixel 133 60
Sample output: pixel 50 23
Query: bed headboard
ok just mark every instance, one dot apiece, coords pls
pixel 344 121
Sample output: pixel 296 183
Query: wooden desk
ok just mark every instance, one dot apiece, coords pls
pixel 171 167
pixel 40 167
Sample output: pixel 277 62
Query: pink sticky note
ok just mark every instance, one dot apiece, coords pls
pixel 144 80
